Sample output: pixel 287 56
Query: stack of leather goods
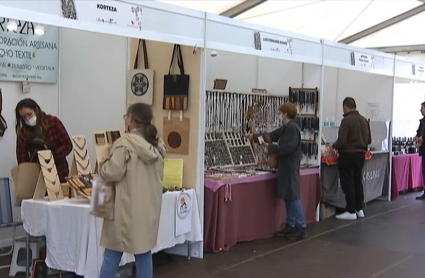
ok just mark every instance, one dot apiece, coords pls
pixel 82 184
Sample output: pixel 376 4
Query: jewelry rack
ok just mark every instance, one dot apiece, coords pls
pixel 80 164
pixel 307 102
pixel 217 153
pixel 48 179
pixel 103 140
pixel 82 184
pixel 228 149
pixel 240 149
pixel 241 112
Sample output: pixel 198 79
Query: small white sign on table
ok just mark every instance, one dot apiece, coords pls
pixel 184 213
pixel 362 60
pixel 272 43
pixel 419 70
pixel 372 110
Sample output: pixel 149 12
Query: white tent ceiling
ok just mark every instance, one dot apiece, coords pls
pixel 330 19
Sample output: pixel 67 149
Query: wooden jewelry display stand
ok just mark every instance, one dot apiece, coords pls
pixel 48 179
pixel 103 140
pixel 80 164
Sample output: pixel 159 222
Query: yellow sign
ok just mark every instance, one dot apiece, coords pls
pixel 173 173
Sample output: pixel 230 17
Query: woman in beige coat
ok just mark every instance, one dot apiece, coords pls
pixel 135 166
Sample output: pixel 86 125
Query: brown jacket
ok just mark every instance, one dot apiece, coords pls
pixel 136 168
pixel 353 134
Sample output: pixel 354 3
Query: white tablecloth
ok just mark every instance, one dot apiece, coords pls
pixel 73 234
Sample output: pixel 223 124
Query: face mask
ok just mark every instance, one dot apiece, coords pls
pixel 32 121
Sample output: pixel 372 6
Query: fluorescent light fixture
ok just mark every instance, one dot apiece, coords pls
pixel 12 25
pixel 39 30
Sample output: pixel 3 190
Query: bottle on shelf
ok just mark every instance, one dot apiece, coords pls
pixel 327 123
pixel 333 122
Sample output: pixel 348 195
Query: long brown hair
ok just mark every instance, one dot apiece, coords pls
pixel 143 116
pixel 23 131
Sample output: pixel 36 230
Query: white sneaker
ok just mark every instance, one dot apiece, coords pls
pixel 360 214
pixel 346 216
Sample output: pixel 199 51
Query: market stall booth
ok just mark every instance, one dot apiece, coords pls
pixel 89 87
pixel 367 77
pixel 251 71
pixel 408 97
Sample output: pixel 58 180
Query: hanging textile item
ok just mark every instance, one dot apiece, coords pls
pixel 176 86
pixel 140 81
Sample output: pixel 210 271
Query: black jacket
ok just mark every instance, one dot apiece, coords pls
pixel 353 134
pixel 288 151
pixel 421 133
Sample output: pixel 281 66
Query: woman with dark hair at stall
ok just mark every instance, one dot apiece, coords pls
pixel 135 166
pixel 37 131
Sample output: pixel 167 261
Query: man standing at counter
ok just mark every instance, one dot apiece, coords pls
pixel 353 140
pixel 420 133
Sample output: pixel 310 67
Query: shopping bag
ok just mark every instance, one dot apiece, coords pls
pixel 25 177
pixel 102 199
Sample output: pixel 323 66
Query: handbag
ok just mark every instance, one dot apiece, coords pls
pixel 140 81
pixel 25 177
pixel 176 86
pixel 3 124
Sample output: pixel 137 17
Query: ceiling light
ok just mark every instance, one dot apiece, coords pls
pixel 12 25
pixel 39 30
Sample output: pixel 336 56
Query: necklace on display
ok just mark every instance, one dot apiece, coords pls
pixel 81 165
pixel 81 145
pixel 49 169
pixel 53 182
pixel 46 162
pixel 82 157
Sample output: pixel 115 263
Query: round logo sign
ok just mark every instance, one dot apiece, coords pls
pixel 139 84
pixel 184 206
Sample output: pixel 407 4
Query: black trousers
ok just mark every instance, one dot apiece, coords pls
pixel 350 166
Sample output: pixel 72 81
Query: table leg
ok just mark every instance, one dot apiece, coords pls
pixel 28 250
pixel 189 250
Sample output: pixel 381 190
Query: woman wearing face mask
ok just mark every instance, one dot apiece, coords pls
pixel 135 166
pixel 37 131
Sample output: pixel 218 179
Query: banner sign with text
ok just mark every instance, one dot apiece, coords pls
pixel 362 60
pixel 105 12
pixel 26 56
pixel 272 43
pixel 419 70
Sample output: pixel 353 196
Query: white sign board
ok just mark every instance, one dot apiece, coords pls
pixel 26 56
pixel 272 43
pixel 362 60
pixel 419 70
pixel 184 213
pixel 105 12
pixel 372 110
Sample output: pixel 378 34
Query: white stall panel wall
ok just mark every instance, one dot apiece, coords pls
pixel 240 71
pixel 365 88
pixel 93 83
pixel 330 89
pixel 407 104
pixel 276 76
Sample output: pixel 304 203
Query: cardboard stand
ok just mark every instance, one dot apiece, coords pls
pixel 48 179
pixel 103 141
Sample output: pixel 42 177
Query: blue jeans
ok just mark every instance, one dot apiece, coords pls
pixel 294 214
pixel 111 262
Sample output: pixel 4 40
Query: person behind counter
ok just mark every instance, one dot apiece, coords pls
pixel 354 137
pixel 37 131
pixel 288 152
pixel 135 165
pixel 420 134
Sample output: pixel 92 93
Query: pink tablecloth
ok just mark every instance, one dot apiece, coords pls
pixel 248 209
pixel 406 174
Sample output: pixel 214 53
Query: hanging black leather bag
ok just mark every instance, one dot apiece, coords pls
pixel 176 86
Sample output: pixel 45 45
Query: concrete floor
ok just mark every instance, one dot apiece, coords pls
pixel 387 243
